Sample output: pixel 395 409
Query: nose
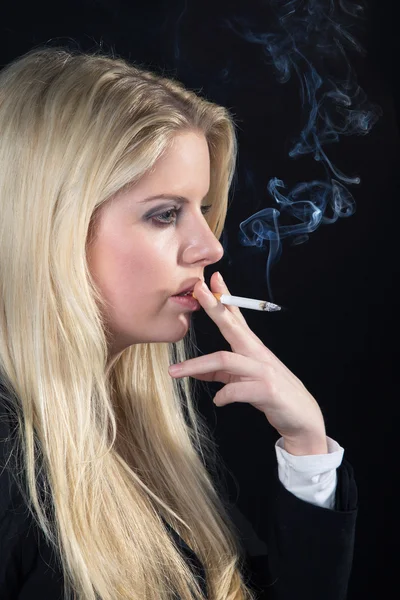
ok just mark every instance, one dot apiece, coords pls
pixel 202 248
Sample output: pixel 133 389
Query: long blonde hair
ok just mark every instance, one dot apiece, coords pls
pixel 110 451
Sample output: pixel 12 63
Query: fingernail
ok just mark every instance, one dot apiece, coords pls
pixel 220 278
pixel 173 369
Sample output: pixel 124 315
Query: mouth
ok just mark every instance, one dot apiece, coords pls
pixel 184 298
pixel 187 293
pixel 188 288
pixel 186 302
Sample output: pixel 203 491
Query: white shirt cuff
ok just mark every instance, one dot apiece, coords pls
pixel 311 478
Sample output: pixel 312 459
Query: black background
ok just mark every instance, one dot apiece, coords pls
pixel 338 333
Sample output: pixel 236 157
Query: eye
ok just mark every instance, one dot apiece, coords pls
pixel 206 209
pixel 165 218
pixel 170 216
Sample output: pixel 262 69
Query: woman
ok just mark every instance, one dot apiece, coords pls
pixel 114 189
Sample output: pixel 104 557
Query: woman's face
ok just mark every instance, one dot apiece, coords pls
pixel 145 251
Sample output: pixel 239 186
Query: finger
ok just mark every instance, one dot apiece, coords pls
pixel 211 376
pixel 222 361
pixel 218 285
pixel 235 330
pixel 240 391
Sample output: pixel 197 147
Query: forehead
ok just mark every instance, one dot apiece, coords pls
pixel 183 169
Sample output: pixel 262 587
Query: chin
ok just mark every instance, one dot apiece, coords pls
pixel 170 339
pixel 174 336
pixel 177 338
pixel 163 334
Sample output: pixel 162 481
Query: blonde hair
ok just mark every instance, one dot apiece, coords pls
pixel 110 452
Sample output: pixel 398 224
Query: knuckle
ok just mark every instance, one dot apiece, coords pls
pixel 224 357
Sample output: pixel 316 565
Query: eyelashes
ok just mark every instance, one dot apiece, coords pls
pixel 170 216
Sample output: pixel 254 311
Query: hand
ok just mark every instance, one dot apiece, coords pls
pixel 252 373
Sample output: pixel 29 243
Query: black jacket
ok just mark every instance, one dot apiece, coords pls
pixel 295 551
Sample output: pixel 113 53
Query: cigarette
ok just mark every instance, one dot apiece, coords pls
pixel 245 302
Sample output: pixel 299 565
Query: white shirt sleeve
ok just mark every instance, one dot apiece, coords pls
pixel 311 478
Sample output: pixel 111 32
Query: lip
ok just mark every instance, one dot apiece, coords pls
pixel 187 302
pixel 187 287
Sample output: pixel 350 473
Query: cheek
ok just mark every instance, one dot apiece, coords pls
pixel 130 271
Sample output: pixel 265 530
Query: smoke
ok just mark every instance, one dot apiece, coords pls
pixel 308 39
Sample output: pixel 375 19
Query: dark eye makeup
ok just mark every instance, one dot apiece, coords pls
pixel 170 216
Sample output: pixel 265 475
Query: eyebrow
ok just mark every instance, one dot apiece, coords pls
pixel 179 199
